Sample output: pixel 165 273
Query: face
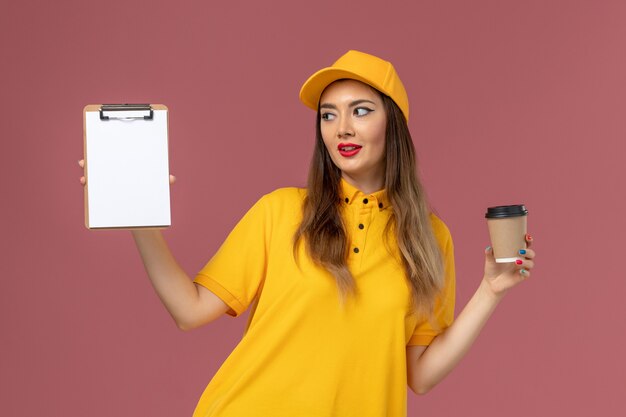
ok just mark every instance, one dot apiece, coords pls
pixel 353 123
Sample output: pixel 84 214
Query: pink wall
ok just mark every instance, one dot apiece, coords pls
pixel 511 102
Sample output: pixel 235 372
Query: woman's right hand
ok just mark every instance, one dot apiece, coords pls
pixel 81 163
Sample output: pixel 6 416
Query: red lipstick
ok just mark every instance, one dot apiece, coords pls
pixel 348 149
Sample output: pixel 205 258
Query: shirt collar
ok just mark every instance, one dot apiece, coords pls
pixel 351 195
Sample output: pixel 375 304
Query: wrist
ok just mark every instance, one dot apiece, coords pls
pixel 486 290
pixel 145 233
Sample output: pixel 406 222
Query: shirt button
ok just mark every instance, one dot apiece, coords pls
pixel 361 226
pixel 380 205
pixel 365 200
pixel 356 250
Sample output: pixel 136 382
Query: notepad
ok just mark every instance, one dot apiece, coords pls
pixel 126 166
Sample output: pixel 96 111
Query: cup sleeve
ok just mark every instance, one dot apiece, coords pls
pixel 443 313
pixel 236 271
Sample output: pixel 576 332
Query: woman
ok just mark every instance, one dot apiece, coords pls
pixel 350 282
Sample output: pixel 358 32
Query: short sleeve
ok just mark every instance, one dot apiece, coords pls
pixel 443 313
pixel 237 269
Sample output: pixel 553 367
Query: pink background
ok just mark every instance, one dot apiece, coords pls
pixel 511 102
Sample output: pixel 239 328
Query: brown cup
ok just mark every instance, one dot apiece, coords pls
pixel 507 230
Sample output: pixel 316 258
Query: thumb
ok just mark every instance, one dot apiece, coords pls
pixel 489 253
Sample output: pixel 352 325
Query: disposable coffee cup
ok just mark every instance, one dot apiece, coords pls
pixel 507 230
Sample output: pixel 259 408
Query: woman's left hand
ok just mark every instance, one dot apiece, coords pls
pixel 499 278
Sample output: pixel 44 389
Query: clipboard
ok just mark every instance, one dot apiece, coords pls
pixel 126 166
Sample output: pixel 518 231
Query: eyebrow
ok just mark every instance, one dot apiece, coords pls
pixel 352 104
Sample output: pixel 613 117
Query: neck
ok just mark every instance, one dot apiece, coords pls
pixel 366 185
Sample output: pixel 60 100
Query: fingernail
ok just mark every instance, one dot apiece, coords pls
pixel 488 248
pixel 528 237
pixel 522 271
pixel 522 251
pixel 519 262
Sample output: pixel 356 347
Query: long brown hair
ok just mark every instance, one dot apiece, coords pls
pixel 324 232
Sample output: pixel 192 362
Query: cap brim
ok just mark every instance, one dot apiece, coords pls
pixel 313 88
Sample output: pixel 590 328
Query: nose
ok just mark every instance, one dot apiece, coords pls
pixel 345 127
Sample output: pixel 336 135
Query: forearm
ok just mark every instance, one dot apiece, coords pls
pixel 171 283
pixel 445 352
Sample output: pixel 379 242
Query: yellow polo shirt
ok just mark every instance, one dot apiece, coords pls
pixel 303 353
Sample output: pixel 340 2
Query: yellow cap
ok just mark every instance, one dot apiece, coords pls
pixel 359 66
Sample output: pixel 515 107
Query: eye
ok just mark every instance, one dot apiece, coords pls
pixel 362 111
pixel 327 116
